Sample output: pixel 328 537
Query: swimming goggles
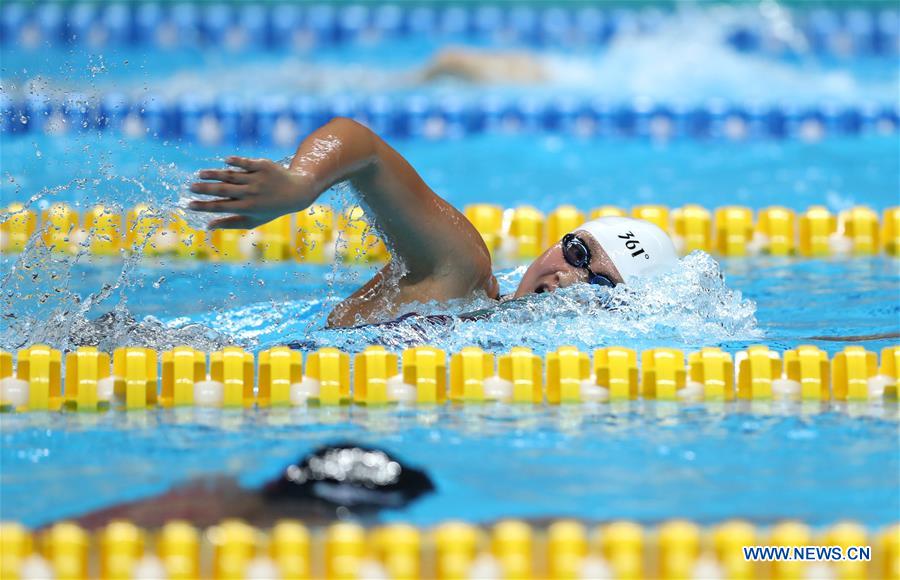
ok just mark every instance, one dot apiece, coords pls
pixel 578 255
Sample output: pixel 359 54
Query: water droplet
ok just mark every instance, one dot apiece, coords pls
pixel 159 282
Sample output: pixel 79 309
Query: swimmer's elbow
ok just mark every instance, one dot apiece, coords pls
pixel 346 125
pixel 359 143
pixel 352 131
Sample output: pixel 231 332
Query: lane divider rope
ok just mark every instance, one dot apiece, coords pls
pixel 277 120
pixel 321 235
pixel 136 378
pixel 830 32
pixel 508 549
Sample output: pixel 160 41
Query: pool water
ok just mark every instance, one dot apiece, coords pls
pixel 641 461
pixel 645 462
pixel 514 169
pixel 656 62
pixel 261 305
pixel 638 462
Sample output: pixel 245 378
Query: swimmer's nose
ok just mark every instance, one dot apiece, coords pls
pixel 548 285
pixel 559 279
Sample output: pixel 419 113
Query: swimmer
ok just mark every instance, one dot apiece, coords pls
pixel 341 478
pixel 438 255
pixel 485 67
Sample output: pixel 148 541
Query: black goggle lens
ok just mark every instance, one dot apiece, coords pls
pixel 577 254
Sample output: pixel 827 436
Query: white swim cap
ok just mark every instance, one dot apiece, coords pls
pixel 636 247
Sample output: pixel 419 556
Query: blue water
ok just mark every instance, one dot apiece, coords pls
pixel 263 306
pixel 597 464
pixel 259 305
pixel 543 171
pixel 642 461
pixel 686 58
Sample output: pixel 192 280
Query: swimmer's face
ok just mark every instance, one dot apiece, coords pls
pixel 551 271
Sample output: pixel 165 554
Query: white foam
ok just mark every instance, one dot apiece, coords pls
pixel 705 66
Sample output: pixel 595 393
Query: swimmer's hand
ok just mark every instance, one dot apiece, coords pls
pixel 258 191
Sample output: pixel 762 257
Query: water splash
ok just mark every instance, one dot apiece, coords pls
pixel 40 307
pixel 687 59
pixel 38 303
pixel 692 306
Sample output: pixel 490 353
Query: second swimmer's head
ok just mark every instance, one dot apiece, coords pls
pixel 605 251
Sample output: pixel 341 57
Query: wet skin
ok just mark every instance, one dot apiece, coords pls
pixel 438 255
pixel 550 271
pixel 333 479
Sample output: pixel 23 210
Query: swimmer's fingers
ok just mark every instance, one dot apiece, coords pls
pixel 226 176
pixel 247 163
pixel 220 189
pixel 232 222
pixel 219 206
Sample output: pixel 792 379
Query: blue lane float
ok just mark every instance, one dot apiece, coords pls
pixel 279 25
pixel 838 33
pixel 280 120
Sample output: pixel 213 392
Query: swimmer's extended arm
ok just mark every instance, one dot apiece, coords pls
pixel 484 66
pixel 435 242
